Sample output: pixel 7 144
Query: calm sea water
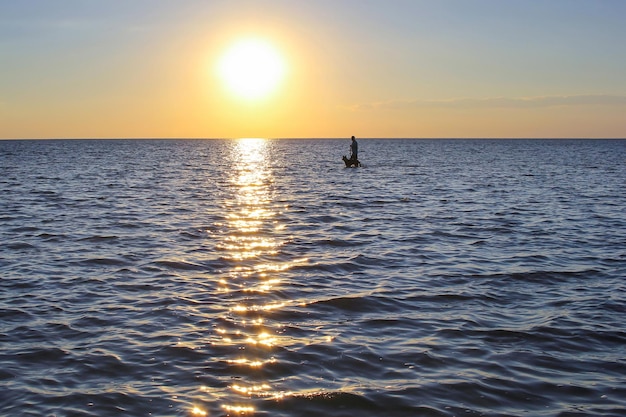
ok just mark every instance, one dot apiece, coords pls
pixel 252 277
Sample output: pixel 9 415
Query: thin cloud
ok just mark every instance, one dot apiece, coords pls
pixel 498 102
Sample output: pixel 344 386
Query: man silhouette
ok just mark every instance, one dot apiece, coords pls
pixel 354 149
pixel 354 155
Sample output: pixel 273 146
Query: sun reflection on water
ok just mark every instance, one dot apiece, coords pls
pixel 197 411
pixel 250 240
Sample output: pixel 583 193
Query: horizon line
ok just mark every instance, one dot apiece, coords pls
pixel 323 138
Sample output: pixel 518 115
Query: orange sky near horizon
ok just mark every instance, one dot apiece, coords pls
pixel 407 69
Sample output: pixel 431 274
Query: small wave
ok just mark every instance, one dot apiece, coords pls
pixel 23 229
pixel 443 298
pixel 551 276
pixel 50 237
pixel 4 374
pixel 338 403
pixel 42 355
pixel 13 314
pixel 128 225
pixel 104 261
pixel 89 321
pixel 98 239
pixel 325 219
pixel 193 234
pixel 21 246
pixel 362 304
pixel 338 243
pixel 180 265
pixel 333 267
pixel 181 354
pixel 104 363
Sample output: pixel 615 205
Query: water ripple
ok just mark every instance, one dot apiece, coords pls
pixel 258 277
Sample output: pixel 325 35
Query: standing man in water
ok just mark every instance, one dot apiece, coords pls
pixel 354 154
pixel 354 149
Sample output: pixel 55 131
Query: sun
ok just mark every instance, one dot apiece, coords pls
pixel 251 68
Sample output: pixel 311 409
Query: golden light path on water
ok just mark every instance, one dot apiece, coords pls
pixel 248 240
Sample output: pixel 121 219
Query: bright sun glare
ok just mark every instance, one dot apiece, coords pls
pixel 251 68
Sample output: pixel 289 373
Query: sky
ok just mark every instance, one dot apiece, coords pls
pixel 380 69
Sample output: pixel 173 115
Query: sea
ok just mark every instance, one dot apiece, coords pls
pixel 259 277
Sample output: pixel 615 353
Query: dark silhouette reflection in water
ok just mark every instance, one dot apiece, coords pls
pixel 245 339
